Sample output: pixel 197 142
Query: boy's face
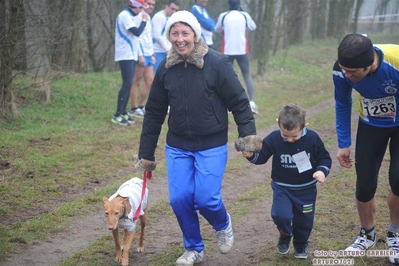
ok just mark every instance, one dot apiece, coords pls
pixel 291 135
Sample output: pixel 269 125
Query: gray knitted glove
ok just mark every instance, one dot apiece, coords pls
pixel 249 143
pixel 145 165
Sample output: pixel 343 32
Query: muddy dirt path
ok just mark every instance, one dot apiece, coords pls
pixel 254 233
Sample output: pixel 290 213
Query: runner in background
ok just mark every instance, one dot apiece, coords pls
pixel 130 23
pixel 144 68
pixel 207 23
pixel 161 43
pixel 234 23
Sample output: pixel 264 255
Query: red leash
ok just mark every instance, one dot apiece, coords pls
pixel 147 175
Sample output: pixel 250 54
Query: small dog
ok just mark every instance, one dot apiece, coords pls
pixel 119 210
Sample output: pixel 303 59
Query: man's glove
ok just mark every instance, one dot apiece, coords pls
pixel 249 143
pixel 145 165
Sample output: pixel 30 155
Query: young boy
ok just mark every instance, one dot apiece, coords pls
pixel 299 161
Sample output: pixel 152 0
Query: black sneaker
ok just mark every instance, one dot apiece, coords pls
pixel 129 119
pixel 120 120
pixel 283 245
pixel 301 252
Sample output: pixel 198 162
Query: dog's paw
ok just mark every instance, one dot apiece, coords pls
pixel 140 249
pixel 125 261
pixel 118 258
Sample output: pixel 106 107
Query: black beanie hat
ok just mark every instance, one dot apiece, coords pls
pixel 355 51
pixel 233 4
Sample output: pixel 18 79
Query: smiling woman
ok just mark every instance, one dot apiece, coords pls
pixel 183 32
pixel 200 85
pixel 182 38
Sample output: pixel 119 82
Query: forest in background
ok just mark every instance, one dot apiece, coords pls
pixel 43 38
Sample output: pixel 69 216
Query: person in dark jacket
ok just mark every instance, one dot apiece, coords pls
pixel 200 86
pixel 300 160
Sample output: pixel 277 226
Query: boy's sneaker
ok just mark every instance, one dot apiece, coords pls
pixel 189 258
pixel 225 238
pixel 136 113
pixel 120 120
pixel 283 245
pixel 254 107
pixel 301 252
pixel 129 120
pixel 393 245
pixel 362 243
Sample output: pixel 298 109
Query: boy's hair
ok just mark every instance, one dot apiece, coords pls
pixel 291 116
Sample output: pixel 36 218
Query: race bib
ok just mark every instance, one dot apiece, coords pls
pixel 302 162
pixel 382 107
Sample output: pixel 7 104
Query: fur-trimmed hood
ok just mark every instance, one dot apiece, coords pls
pixel 196 57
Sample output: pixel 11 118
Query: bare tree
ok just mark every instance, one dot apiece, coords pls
pixel 338 17
pixel 278 32
pixel 356 16
pixel 99 31
pixel 40 37
pixel 318 19
pixel 395 11
pixel 297 13
pixel 11 19
pixel 265 37
pixel 382 10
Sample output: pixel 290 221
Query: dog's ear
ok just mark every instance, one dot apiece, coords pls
pixel 105 200
pixel 126 202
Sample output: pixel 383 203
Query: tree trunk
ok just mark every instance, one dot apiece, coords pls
pixel 356 16
pixel 296 20
pixel 75 55
pixel 318 19
pixel 265 41
pixel 339 17
pixel 279 25
pixel 10 30
pixel 382 10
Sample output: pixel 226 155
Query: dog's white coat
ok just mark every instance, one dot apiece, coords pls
pixel 131 189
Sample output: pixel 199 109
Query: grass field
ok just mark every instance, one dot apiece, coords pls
pixel 54 150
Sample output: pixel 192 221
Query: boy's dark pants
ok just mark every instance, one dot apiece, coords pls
pixel 293 211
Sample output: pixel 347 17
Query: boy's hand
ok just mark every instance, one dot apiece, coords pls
pixel 319 176
pixel 247 154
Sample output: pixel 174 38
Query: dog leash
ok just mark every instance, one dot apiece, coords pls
pixel 147 175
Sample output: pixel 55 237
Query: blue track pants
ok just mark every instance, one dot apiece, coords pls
pixel 194 183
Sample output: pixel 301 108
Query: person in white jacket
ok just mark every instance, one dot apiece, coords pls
pixel 130 23
pixel 144 68
pixel 161 43
pixel 234 23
